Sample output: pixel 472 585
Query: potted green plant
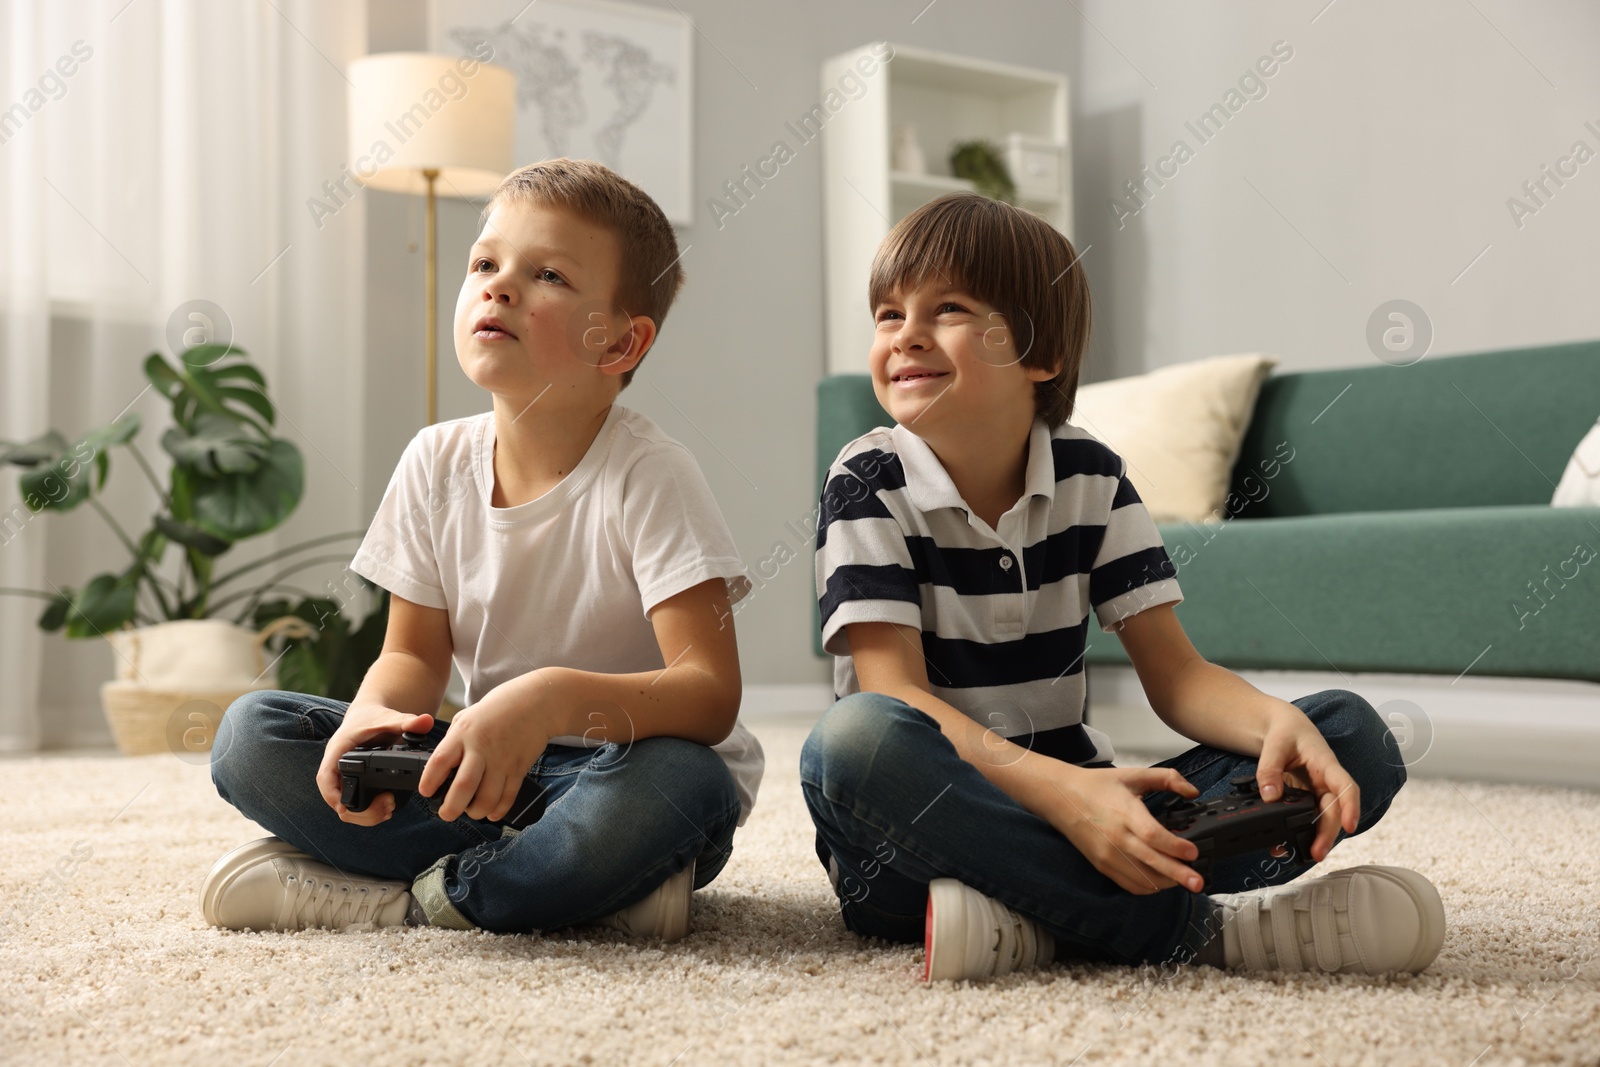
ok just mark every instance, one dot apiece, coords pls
pixel 200 637
pixel 981 163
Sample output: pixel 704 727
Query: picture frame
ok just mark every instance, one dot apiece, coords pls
pixel 596 79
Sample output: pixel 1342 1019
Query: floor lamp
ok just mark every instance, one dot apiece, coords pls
pixel 431 125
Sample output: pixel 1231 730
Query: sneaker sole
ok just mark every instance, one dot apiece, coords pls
pixel 668 913
pixel 945 923
pixel 675 926
pixel 235 863
pixel 1430 911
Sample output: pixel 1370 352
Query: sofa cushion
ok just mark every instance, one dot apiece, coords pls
pixel 1179 429
pixel 1580 482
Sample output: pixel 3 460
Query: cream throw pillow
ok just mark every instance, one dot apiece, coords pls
pixel 1179 428
pixel 1580 482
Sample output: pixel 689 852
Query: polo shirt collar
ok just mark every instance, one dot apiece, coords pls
pixel 929 485
pixel 1040 479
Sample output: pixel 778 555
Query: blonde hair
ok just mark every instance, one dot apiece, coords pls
pixel 648 273
pixel 1009 258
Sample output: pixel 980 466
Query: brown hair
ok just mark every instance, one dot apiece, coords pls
pixel 648 273
pixel 1009 258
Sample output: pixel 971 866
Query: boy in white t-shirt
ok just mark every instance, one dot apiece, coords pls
pixel 571 558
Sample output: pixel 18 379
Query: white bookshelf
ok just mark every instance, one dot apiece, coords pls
pixel 949 99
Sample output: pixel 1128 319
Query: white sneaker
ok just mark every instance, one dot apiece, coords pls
pixel 664 913
pixel 1362 920
pixel 271 885
pixel 969 935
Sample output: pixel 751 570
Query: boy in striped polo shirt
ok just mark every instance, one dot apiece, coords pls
pixel 957 795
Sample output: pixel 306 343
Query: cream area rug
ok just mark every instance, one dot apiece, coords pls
pixel 106 958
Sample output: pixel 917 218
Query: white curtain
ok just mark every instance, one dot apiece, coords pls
pixel 153 153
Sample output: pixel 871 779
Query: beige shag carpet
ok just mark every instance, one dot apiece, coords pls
pixel 106 959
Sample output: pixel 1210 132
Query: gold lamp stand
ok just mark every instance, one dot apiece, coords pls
pixel 466 144
pixel 431 289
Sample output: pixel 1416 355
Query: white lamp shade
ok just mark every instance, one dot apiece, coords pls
pixel 411 111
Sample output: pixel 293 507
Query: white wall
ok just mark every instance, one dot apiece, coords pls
pixel 1376 167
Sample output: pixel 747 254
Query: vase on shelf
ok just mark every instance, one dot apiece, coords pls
pixel 907 155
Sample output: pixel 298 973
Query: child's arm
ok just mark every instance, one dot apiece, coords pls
pixel 412 672
pixel 401 691
pixel 1216 707
pixel 695 697
pixel 1097 809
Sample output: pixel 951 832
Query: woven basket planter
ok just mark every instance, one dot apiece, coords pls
pixel 145 721
pixel 175 680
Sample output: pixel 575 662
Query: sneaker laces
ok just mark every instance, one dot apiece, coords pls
pixel 345 904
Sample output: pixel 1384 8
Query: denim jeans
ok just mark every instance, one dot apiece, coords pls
pixel 896 807
pixel 618 820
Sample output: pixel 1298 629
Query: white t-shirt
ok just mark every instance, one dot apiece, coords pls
pixel 568 579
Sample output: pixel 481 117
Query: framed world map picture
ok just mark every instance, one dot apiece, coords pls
pixel 596 79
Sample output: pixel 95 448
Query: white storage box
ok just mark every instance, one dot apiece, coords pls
pixel 1036 166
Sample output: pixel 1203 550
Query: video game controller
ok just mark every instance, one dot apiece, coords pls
pixel 368 772
pixel 1240 822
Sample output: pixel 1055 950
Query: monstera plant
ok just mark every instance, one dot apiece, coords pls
pixel 230 479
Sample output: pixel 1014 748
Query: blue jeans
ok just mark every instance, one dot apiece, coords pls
pixel 896 807
pixel 618 820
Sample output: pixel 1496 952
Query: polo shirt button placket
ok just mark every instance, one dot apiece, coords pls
pixel 1010 619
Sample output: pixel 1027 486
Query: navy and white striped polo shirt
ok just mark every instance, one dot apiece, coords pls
pixel 1004 613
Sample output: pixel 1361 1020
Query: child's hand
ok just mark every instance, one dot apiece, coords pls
pixel 364 725
pixel 490 745
pixel 1293 745
pixel 1099 810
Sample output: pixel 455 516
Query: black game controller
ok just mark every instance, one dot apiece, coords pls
pixel 367 772
pixel 1241 822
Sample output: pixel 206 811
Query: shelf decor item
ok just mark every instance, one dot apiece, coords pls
pixel 908 157
pixel 230 480
pixel 980 163
pixel 1035 165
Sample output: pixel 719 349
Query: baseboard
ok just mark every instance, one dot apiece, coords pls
pixel 77 743
pixel 1538 730
pixel 768 701
pixel 1500 729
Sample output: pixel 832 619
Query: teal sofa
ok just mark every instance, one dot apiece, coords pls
pixel 1383 518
